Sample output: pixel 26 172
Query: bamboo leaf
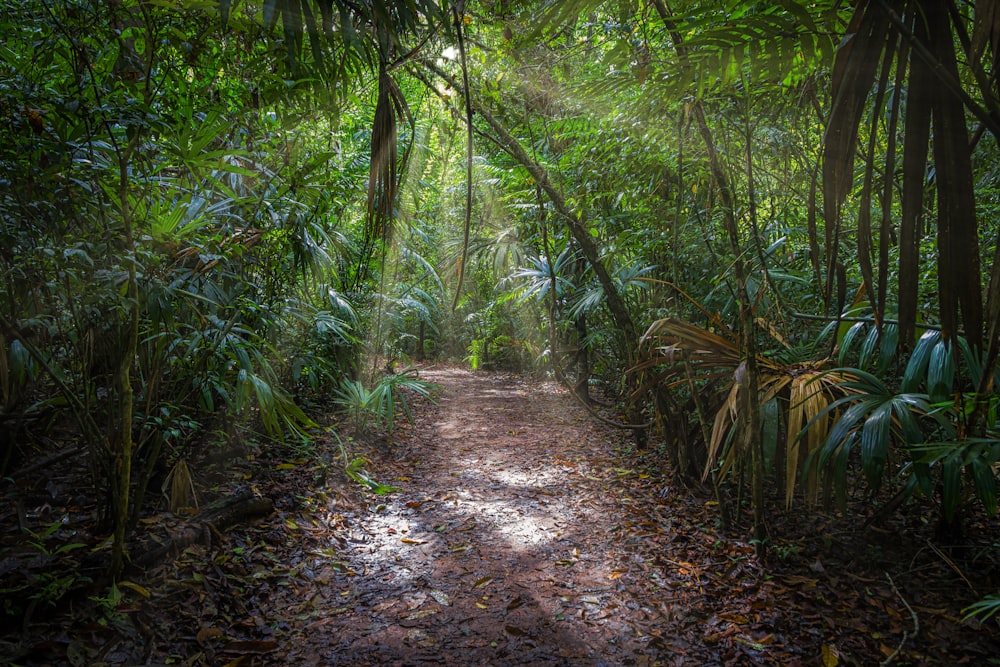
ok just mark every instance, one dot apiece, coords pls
pixel 270 15
pixel 951 486
pixel 848 340
pixel 840 470
pixel 875 442
pixel 985 484
pixel 887 349
pixel 916 367
pixel 940 372
pixel 905 407
pixel 868 347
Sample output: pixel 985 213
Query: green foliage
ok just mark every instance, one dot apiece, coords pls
pixel 356 400
pixel 355 470
pixel 476 353
pixel 872 417
pixel 494 341
pixel 379 405
pixel 150 178
pixel 984 609
pixel 49 587
pixel 927 430
pixel 538 278
pixel 40 541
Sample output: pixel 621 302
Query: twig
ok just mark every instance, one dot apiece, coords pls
pixel 64 453
pixel 952 565
pixel 906 635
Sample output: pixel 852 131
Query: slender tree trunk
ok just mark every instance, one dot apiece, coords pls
pixel 748 340
pixel 121 441
pixel 575 223
pixel 421 354
pixel 747 379
pixel 582 387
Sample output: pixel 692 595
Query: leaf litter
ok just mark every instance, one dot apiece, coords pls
pixel 522 533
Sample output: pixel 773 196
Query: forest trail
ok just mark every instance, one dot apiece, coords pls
pixel 504 547
pixel 519 537
pixel 523 532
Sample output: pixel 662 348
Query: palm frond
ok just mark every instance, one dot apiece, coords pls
pixel 673 348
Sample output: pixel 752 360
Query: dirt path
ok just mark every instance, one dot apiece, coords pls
pixel 502 549
pixel 518 538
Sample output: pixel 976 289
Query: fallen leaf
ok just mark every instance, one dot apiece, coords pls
pixel 205 635
pixel 407 540
pixel 441 597
pixel 831 656
pixel 141 590
pixel 796 580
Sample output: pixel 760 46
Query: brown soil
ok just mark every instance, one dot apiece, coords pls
pixel 524 533
pixel 504 548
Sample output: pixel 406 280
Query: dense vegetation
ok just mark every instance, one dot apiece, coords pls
pixel 767 229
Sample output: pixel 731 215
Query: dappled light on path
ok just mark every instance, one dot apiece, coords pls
pixel 495 546
pixel 523 533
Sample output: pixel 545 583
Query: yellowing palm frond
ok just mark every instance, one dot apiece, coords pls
pixel 672 348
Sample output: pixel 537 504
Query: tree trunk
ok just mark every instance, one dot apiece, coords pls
pixel 749 407
pixel 582 387
pixel 575 224
pixel 220 515
pixel 421 354
pixel 121 441
pixel 574 220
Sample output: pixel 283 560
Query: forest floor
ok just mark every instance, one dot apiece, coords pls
pixel 524 532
